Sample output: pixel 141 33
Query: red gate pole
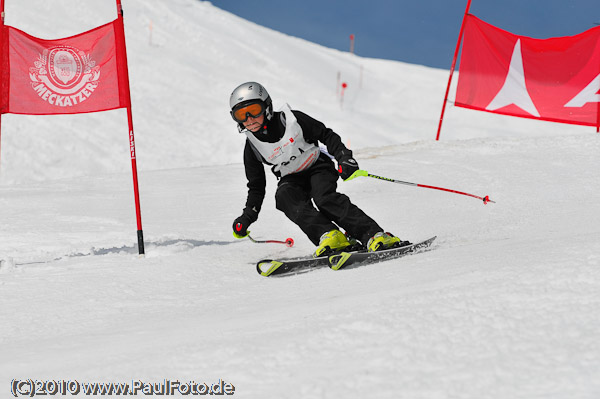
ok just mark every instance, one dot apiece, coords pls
pixel 462 27
pixel 598 116
pixel 2 55
pixel 136 192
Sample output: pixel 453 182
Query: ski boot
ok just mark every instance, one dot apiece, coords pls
pixel 331 242
pixel 383 240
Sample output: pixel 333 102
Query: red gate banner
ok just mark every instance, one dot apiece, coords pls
pixel 78 74
pixel 556 79
pixel 83 73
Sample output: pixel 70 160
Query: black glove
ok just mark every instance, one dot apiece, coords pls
pixel 240 226
pixel 347 166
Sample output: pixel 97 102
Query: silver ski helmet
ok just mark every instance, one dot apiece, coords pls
pixel 250 93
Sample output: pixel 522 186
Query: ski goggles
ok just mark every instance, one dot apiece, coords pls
pixel 242 113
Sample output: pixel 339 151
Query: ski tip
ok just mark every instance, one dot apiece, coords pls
pixel 338 260
pixel 267 267
pixel 428 241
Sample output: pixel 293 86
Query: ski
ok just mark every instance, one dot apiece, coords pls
pixel 345 259
pixel 283 267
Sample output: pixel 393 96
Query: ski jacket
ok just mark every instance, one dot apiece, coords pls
pixel 313 132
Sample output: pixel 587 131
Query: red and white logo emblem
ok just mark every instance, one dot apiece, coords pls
pixel 64 76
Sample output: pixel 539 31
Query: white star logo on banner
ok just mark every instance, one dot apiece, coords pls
pixel 588 95
pixel 514 91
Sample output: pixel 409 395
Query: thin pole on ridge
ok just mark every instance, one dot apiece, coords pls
pixel 122 49
pixel 460 35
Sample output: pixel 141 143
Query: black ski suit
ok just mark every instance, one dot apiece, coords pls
pixel 319 183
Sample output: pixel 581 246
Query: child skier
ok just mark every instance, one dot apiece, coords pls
pixel 288 141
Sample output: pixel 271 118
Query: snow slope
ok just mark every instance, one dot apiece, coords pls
pixel 506 306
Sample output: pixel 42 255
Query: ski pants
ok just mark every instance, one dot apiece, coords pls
pixel 331 209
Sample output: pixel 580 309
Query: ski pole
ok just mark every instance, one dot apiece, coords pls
pixel 288 241
pixel 360 172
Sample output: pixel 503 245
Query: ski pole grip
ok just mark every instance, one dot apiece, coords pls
pixel 358 173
